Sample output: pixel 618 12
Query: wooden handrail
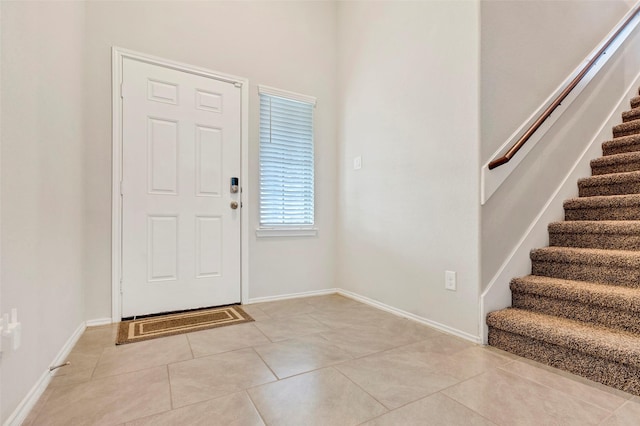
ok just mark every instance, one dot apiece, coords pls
pixel 561 97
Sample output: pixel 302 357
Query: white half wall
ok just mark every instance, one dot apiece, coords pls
pixel 409 95
pixel 288 45
pixel 42 196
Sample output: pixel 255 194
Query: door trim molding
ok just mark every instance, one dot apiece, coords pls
pixel 117 56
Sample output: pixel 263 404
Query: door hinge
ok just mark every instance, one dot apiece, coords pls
pixel 121 91
pixel 238 85
pixel 121 188
pixel 121 285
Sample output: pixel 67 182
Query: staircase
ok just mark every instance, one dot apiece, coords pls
pixel 579 310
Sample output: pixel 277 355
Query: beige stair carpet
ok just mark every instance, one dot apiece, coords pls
pixel 579 310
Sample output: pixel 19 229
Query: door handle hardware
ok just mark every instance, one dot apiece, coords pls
pixel 234 185
pixel 234 205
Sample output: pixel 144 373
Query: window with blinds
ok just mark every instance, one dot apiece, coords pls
pixel 286 158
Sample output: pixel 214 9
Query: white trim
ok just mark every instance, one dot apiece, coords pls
pixel 29 401
pixel 286 232
pixel 292 296
pixel 98 322
pixel 517 262
pixel 491 180
pixel 286 94
pixel 409 315
pixel 118 54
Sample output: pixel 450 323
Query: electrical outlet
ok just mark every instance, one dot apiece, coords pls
pixel 357 163
pixel 450 280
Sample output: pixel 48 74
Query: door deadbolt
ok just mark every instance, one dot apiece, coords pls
pixel 234 205
pixel 234 185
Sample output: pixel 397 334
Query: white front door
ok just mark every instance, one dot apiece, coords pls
pixel 180 232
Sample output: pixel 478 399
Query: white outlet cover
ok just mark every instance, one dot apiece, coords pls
pixel 357 163
pixel 450 280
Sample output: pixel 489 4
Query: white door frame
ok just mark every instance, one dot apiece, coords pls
pixel 118 55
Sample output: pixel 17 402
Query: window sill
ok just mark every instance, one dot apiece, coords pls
pixel 286 232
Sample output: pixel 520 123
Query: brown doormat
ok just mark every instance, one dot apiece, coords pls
pixel 184 322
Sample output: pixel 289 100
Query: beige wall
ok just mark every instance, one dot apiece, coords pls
pixel 42 185
pixel 528 48
pixel 408 80
pixel 288 45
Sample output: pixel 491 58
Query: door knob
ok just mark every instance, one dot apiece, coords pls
pixel 234 205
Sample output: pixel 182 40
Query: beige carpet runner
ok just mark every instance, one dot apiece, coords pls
pixel 178 323
pixel 579 310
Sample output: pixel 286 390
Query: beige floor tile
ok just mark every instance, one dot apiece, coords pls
pixel 434 410
pixel 286 308
pixel 218 375
pixel 396 378
pixel 33 414
pixel 295 356
pixel 77 376
pixel 323 397
pixel 85 355
pixel 627 415
pixel 225 339
pixel 400 331
pixel 592 394
pixel 360 315
pixel 140 355
pixel 590 383
pixel 508 399
pixel 232 410
pixel 286 328
pixel 255 312
pixel 332 302
pixel 461 364
pixel 357 343
pixel 108 401
pixel 444 344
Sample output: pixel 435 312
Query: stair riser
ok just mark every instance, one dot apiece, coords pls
pixel 597 315
pixel 597 241
pixel 615 189
pixel 620 376
pixel 619 213
pixel 635 102
pixel 581 272
pixel 630 116
pixel 616 168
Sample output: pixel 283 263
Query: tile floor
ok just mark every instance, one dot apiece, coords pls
pixel 324 360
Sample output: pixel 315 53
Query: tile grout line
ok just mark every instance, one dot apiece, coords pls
pixel 255 406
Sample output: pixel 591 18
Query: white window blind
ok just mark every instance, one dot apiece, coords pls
pixel 286 159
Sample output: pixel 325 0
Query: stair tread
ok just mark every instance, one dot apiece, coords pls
pixel 614 345
pixel 588 256
pixel 619 227
pixel 610 179
pixel 610 160
pixel 601 201
pixel 611 296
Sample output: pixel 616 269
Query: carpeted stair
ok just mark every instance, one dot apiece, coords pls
pixel 579 310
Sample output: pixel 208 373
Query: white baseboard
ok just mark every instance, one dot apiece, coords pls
pixel 99 321
pixel 409 315
pixel 26 405
pixel 292 296
pixel 375 304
